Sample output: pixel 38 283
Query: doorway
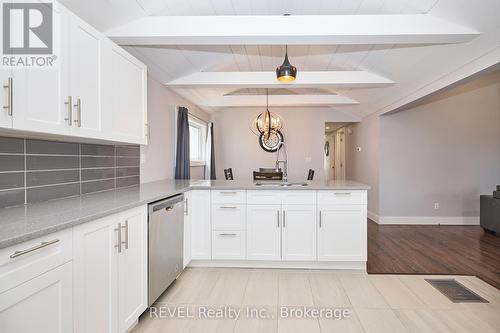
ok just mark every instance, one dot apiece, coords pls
pixel 335 150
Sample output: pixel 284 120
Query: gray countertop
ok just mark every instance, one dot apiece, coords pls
pixel 22 223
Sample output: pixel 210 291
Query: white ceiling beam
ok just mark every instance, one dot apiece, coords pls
pixel 277 101
pixel 300 30
pixel 346 79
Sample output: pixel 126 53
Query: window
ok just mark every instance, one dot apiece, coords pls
pixel 197 140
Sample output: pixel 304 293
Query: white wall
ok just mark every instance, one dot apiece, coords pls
pixel 445 151
pixel 159 155
pixel 238 148
pixel 363 166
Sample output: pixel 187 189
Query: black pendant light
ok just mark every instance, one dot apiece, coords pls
pixel 286 72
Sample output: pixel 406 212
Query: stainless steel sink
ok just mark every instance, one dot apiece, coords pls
pixel 280 184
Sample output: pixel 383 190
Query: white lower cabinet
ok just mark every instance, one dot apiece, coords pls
pixel 200 225
pixel 110 272
pixel 299 232
pixel 228 244
pixel 342 233
pixel 263 232
pixel 42 304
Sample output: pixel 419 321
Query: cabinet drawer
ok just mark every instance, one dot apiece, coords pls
pixel 22 262
pixel 342 197
pixel 229 244
pixel 228 217
pixel 299 197
pixel 264 197
pixel 228 197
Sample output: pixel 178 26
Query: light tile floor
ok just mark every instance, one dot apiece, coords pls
pixel 377 303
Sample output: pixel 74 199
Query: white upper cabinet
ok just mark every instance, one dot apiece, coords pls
pixel 124 96
pixel 39 95
pixel 5 97
pixel 263 232
pixel 85 49
pixel 95 90
pixel 299 232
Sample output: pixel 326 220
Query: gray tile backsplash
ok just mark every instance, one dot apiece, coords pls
pixel 39 170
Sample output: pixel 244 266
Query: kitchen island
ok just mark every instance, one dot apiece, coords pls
pixel 87 256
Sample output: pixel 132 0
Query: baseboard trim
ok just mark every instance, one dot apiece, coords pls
pixel 337 265
pixel 429 220
pixel 374 217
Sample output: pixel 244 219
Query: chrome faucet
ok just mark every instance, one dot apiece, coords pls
pixel 285 161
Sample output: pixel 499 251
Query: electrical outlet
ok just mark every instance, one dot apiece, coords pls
pixel 436 205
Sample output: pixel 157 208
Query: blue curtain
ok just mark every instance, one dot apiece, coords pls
pixel 210 166
pixel 182 154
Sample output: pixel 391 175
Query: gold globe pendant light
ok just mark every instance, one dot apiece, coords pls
pixel 267 123
pixel 286 72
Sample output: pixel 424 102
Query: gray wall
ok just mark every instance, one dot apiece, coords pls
pixel 446 151
pixel 237 147
pixel 158 157
pixel 363 166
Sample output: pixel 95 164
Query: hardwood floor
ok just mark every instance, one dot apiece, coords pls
pixel 465 250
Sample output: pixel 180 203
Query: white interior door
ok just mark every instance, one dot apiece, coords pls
pixel 342 233
pixel 43 304
pixel 340 154
pixel 263 232
pixel 85 78
pixel 95 276
pixel 132 270
pixel 299 232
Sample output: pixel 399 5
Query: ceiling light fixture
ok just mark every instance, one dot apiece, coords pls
pixel 267 123
pixel 286 72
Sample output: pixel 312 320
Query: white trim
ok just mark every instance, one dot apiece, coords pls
pixel 347 265
pixel 374 217
pixel 429 220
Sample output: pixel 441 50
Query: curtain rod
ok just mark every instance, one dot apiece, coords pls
pixel 192 115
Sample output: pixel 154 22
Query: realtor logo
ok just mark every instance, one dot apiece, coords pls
pixel 28 35
pixel 27 28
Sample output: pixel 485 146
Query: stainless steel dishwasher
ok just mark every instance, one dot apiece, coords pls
pixel 166 238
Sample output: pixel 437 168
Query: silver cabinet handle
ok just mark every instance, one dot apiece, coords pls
pixel 228 207
pixel 186 207
pixel 284 221
pixel 278 217
pixel 34 248
pixel 226 234
pixel 320 219
pixel 342 193
pixel 9 86
pixel 119 230
pixel 78 107
pixel 230 193
pixel 125 227
pixel 69 106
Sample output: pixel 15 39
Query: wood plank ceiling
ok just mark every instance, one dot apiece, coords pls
pixel 410 66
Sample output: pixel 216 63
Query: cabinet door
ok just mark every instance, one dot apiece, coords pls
pixel 39 95
pixel 132 268
pixel 200 225
pixel 124 96
pixel 42 304
pixel 263 232
pixel 342 233
pixel 299 232
pixel 5 97
pixel 187 229
pixel 85 78
pixel 95 276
